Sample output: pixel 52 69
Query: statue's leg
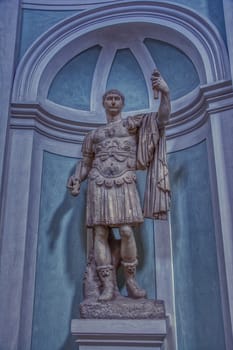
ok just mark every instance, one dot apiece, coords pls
pixel 101 246
pixel 103 262
pixel 129 261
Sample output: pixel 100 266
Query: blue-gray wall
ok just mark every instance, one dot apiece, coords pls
pixel 35 22
pixel 72 85
pixel 197 289
pixel 60 257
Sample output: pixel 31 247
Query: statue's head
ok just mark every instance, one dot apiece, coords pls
pixel 113 101
pixel 114 92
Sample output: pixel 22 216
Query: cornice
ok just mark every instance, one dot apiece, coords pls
pixel 58 5
pixel 210 99
pixel 34 117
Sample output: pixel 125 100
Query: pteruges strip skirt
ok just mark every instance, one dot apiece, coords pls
pixel 113 206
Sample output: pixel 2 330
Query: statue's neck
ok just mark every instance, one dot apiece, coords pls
pixel 113 118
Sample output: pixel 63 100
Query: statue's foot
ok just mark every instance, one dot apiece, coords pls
pixel 134 291
pixel 107 294
pixel 105 273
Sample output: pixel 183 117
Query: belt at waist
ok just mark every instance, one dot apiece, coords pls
pixel 128 177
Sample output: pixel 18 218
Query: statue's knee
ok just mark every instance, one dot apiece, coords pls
pixel 126 232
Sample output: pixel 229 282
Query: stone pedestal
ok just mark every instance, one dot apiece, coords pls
pixel 99 334
pixel 123 308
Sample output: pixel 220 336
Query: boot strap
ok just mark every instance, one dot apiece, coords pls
pixel 129 264
pixel 104 267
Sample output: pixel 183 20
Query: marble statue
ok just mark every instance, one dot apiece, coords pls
pixel 111 156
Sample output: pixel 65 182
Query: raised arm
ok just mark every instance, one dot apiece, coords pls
pixel 159 84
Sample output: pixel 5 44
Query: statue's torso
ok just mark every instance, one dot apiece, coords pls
pixel 114 151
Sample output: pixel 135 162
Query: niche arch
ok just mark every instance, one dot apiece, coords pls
pixel 195 36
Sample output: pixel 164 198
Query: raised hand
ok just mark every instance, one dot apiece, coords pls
pixel 158 83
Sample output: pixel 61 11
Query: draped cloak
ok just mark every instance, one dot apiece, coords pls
pixel 151 155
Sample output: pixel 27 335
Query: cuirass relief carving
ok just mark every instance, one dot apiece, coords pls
pixel 115 151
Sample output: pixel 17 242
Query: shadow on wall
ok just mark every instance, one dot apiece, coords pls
pixel 74 243
pixel 60 258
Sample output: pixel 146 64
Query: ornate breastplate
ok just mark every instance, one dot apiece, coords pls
pixel 115 153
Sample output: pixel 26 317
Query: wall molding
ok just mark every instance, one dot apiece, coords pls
pixel 209 99
pixel 57 5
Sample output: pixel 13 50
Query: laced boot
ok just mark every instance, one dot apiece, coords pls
pixel 105 273
pixel 134 291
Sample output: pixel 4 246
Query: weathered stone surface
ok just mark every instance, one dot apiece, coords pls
pixel 123 308
pixel 111 155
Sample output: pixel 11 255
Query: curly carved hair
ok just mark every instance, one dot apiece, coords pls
pixel 116 92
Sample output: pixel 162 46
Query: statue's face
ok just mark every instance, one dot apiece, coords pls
pixel 113 104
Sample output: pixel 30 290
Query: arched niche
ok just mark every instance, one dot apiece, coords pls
pixel 113 27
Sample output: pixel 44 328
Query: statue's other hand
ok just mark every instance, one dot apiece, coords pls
pixel 158 83
pixel 73 184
